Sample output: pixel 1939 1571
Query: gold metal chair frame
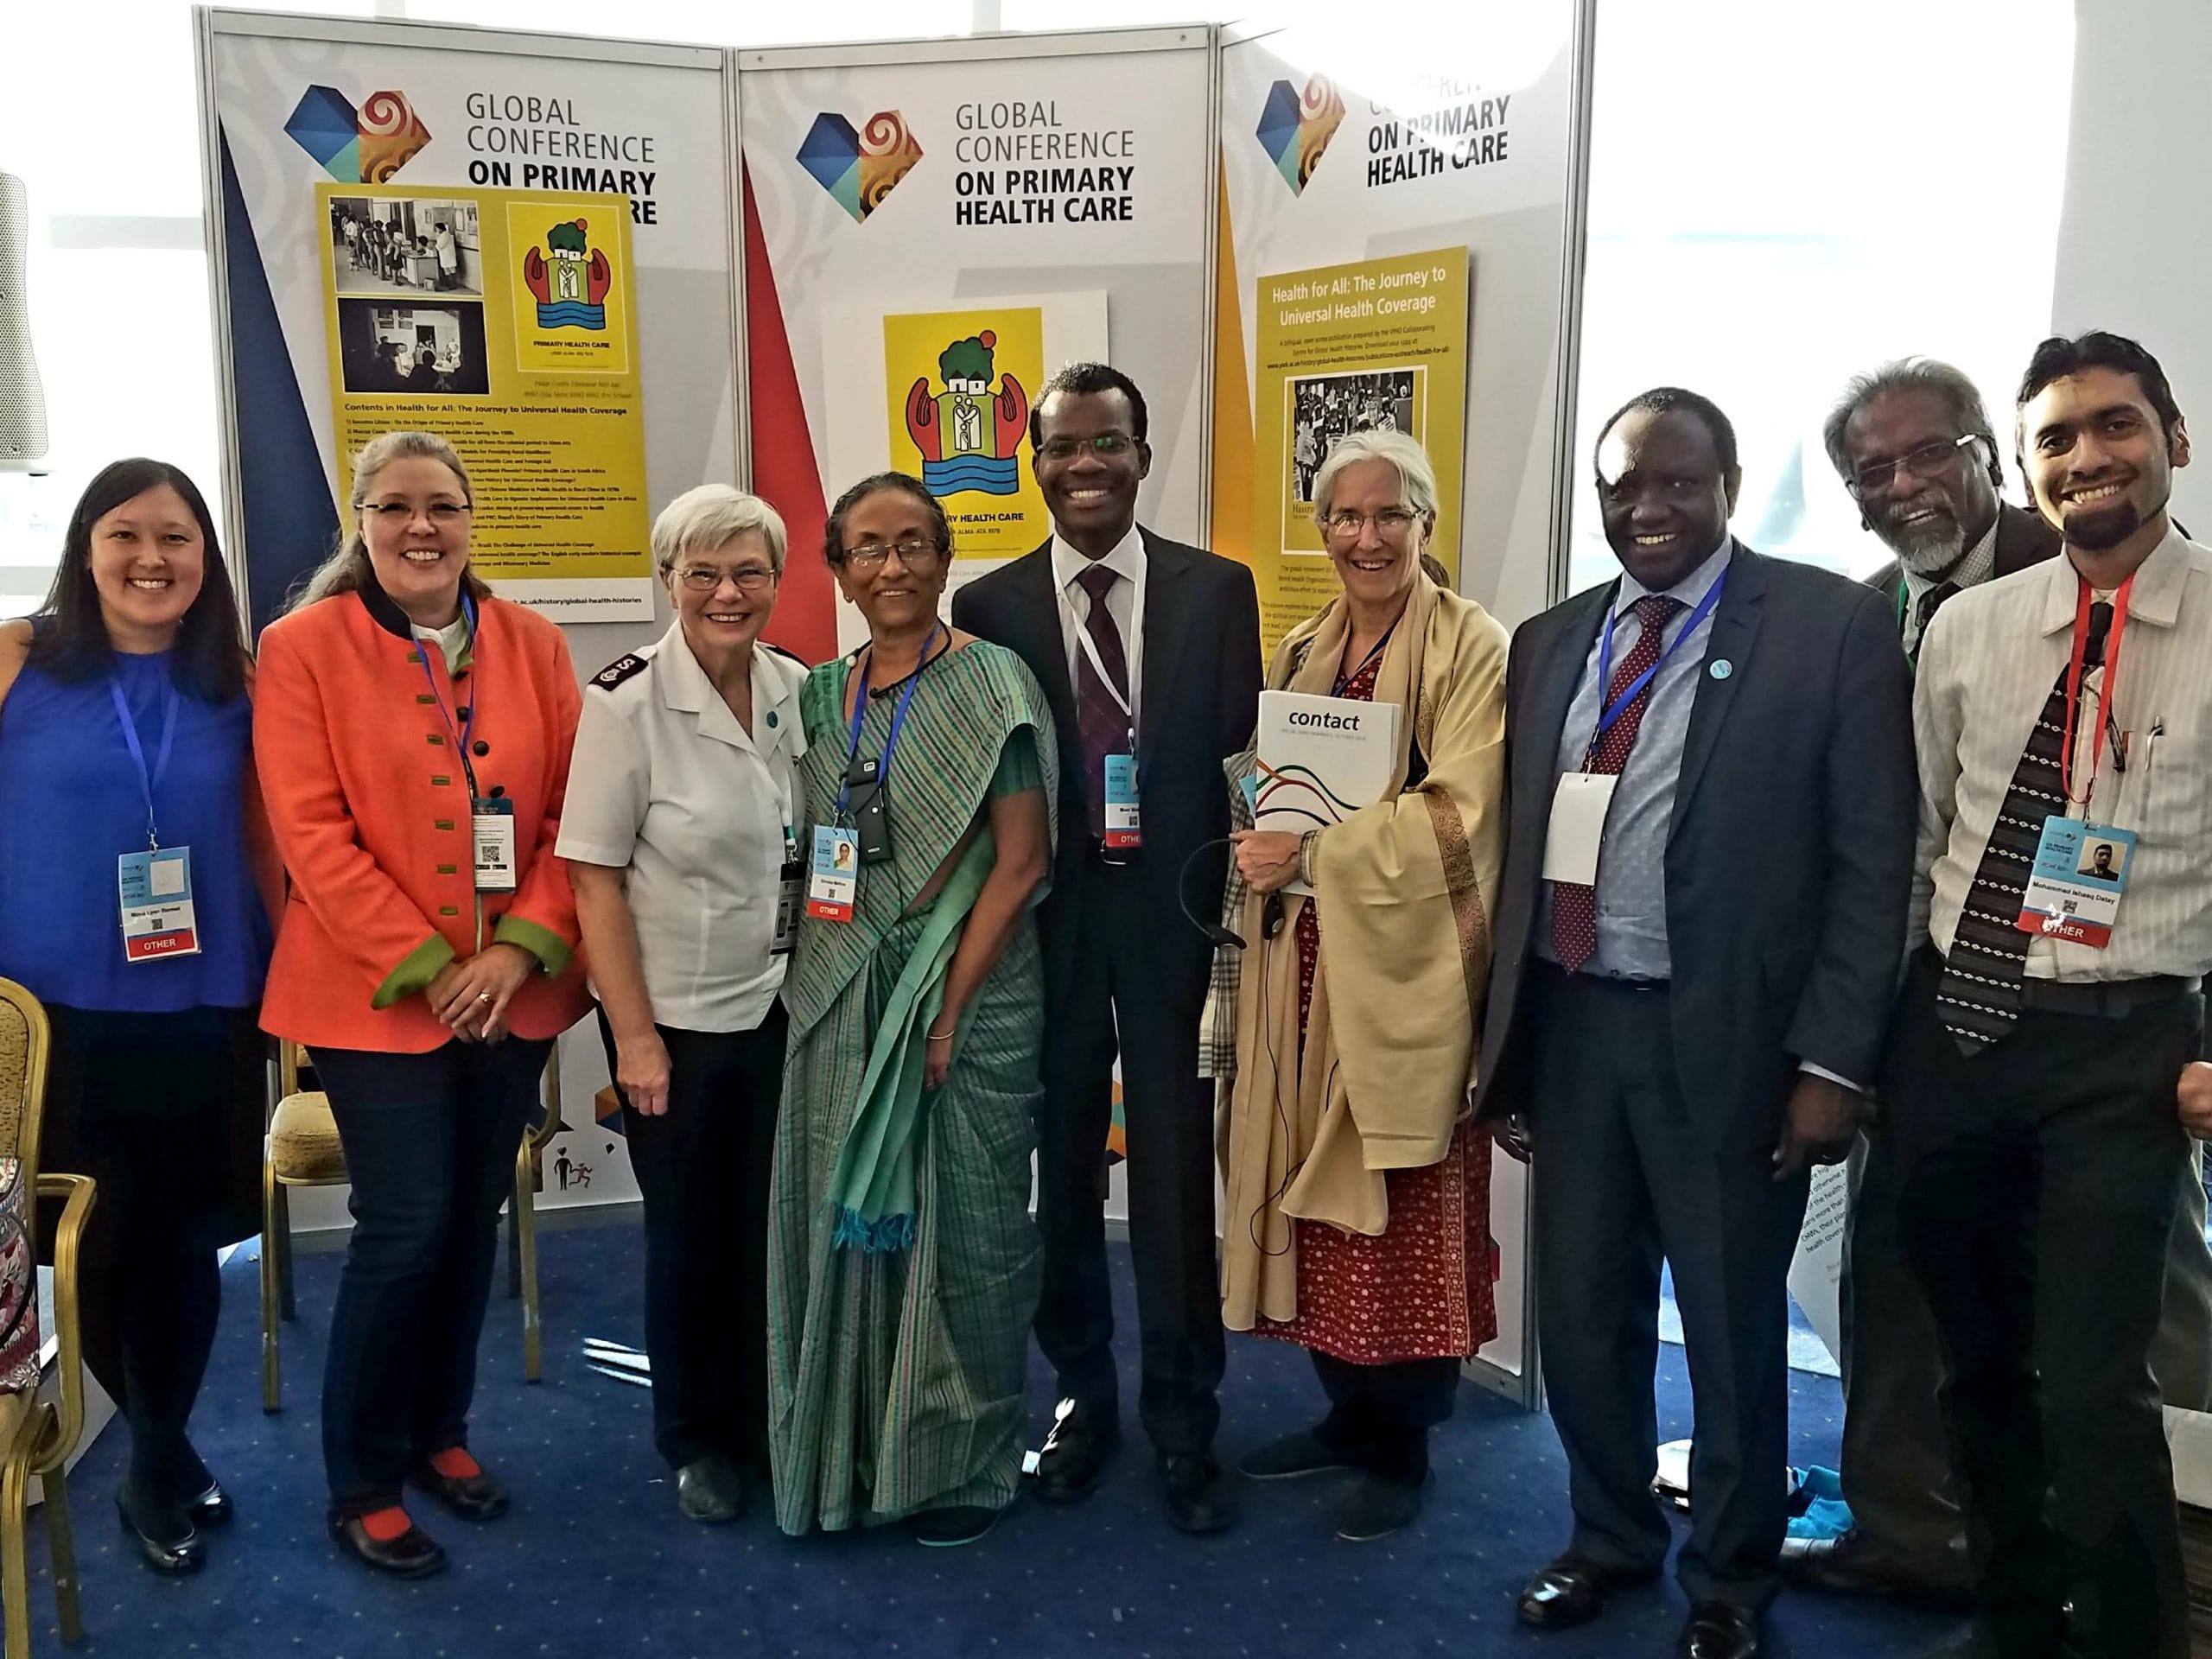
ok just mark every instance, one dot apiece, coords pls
pixel 278 1304
pixel 36 1435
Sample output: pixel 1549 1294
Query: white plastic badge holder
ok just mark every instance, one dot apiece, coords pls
pixel 2073 890
pixel 836 879
pixel 1578 828
pixel 155 893
pixel 492 822
pixel 1121 831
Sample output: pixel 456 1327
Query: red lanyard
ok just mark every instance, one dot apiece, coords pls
pixel 2074 687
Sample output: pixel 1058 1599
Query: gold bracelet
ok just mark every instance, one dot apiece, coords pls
pixel 943 1036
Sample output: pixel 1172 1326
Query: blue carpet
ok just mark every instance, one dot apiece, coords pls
pixel 595 1561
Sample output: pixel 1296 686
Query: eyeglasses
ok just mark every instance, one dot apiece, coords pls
pixel 1391 523
pixel 401 513
pixel 706 578
pixel 1109 444
pixel 1877 477
pixel 913 552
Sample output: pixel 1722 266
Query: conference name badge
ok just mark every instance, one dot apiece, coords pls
pixel 155 890
pixel 2073 890
pixel 790 900
pixel 492 831
pixel 1122 829
pixel 1578 827
pixel 835 877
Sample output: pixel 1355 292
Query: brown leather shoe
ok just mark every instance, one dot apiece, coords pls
pixel 1851 1565
pixel 473 1497
pixel 411 1555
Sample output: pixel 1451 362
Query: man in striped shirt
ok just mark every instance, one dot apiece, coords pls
pixel 2043 1080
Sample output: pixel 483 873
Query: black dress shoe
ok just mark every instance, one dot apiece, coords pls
pixel 1075 1452
pixel 1572 1591
pixel 1851 1565
pixel 1199 1498
pixel 211 1509
pixel 473 1497
pixel 167 1542
pixel 1376 1507
pixel 413 1555
pixel 711 1489
pixel 949 1529
pixel 1719 1629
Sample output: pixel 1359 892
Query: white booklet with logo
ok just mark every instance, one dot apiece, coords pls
pixel 1321 761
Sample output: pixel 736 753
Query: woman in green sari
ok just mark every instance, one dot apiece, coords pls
pixel 902 1259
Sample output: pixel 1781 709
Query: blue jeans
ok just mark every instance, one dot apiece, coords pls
pixel 430 1142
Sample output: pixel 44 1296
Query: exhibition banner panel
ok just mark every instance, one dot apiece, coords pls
pixel 426 138
pixel 931 230
pixel 1337 148
pixel 512 333
pixel 1346 160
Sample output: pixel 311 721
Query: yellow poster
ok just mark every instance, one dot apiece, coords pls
pixel 957 385
pixel 1378 345
pixel 503 321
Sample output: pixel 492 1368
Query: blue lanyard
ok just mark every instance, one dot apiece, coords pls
pixel 1613 711
pixel 467 729
pixel 898 719
pixel 148 780
pixel 1344 680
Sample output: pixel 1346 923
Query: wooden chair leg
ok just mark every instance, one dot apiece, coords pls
pixel 525 1255
pixel 14 1561
pixel 273 1231
pixel 61 1546
pixel 287 1304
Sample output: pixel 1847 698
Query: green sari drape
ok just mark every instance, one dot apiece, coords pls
pixel 902 1261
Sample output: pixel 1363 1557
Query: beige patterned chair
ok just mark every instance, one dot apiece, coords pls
pixel 37 1433
pixel 303 1149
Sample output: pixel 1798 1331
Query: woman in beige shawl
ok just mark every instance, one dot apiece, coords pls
pixel 1358 1189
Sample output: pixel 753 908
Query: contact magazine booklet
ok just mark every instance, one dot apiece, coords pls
pixel 1319 761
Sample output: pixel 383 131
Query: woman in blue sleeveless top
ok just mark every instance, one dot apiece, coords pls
pixel 125 788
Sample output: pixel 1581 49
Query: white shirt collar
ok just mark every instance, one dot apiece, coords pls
pixel 685 688
pixel 1126 559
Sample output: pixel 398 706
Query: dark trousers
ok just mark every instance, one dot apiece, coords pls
pixel 430 1142
pixel 1380 1414
pixel 1623 1177
pixel 2039 1198
pixel 1116 996
pixel 703 1169
pixel 144 1104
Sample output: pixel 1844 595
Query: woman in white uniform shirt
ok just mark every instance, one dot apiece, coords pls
pixel 678 831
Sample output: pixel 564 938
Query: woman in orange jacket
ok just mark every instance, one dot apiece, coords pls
pixel 412 733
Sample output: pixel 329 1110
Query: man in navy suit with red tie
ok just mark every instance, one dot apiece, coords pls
pixel 1149 654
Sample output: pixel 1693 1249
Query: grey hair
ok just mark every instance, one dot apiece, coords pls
pixel 1926 374
pixel 347 570
pixel 1415 476
pixel 703 519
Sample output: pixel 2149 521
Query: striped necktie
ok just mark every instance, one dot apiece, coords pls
pixel 1978 996
pixel 1102 718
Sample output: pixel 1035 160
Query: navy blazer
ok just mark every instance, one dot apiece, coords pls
pixel 1790 857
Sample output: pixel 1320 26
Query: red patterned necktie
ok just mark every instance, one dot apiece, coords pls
pixel 1101 720
pixel 1574 907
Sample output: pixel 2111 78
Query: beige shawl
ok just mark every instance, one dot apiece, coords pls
pixel 1405 888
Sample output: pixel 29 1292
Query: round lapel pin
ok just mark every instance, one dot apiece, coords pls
pixel 1722 669
pixel 771 717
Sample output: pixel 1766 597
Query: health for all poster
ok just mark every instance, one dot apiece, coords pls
pixel 1376 345
pixel 504 322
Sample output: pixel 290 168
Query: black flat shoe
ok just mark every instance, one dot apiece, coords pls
pixel 211 1509
pixel 1376 1508
pixel 949 1529
pixel 1200 1500
pixel 176 1550
pixel 1074 1457
pixel 1292 1458
pixel 473 1497
pixel 413 1555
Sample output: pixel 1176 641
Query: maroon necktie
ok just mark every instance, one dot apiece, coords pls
pixel 1574 907
pixel 1101 720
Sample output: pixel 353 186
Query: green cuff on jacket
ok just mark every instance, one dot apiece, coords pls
pixel 549 948
pixel 416 971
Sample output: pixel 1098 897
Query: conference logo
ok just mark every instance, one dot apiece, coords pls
pixel 969 437
pixel 858 169
pixel 569 278
pixel 1295 128
pixel 363 146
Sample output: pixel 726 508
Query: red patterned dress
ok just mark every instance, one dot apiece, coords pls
pixel 1422 1288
